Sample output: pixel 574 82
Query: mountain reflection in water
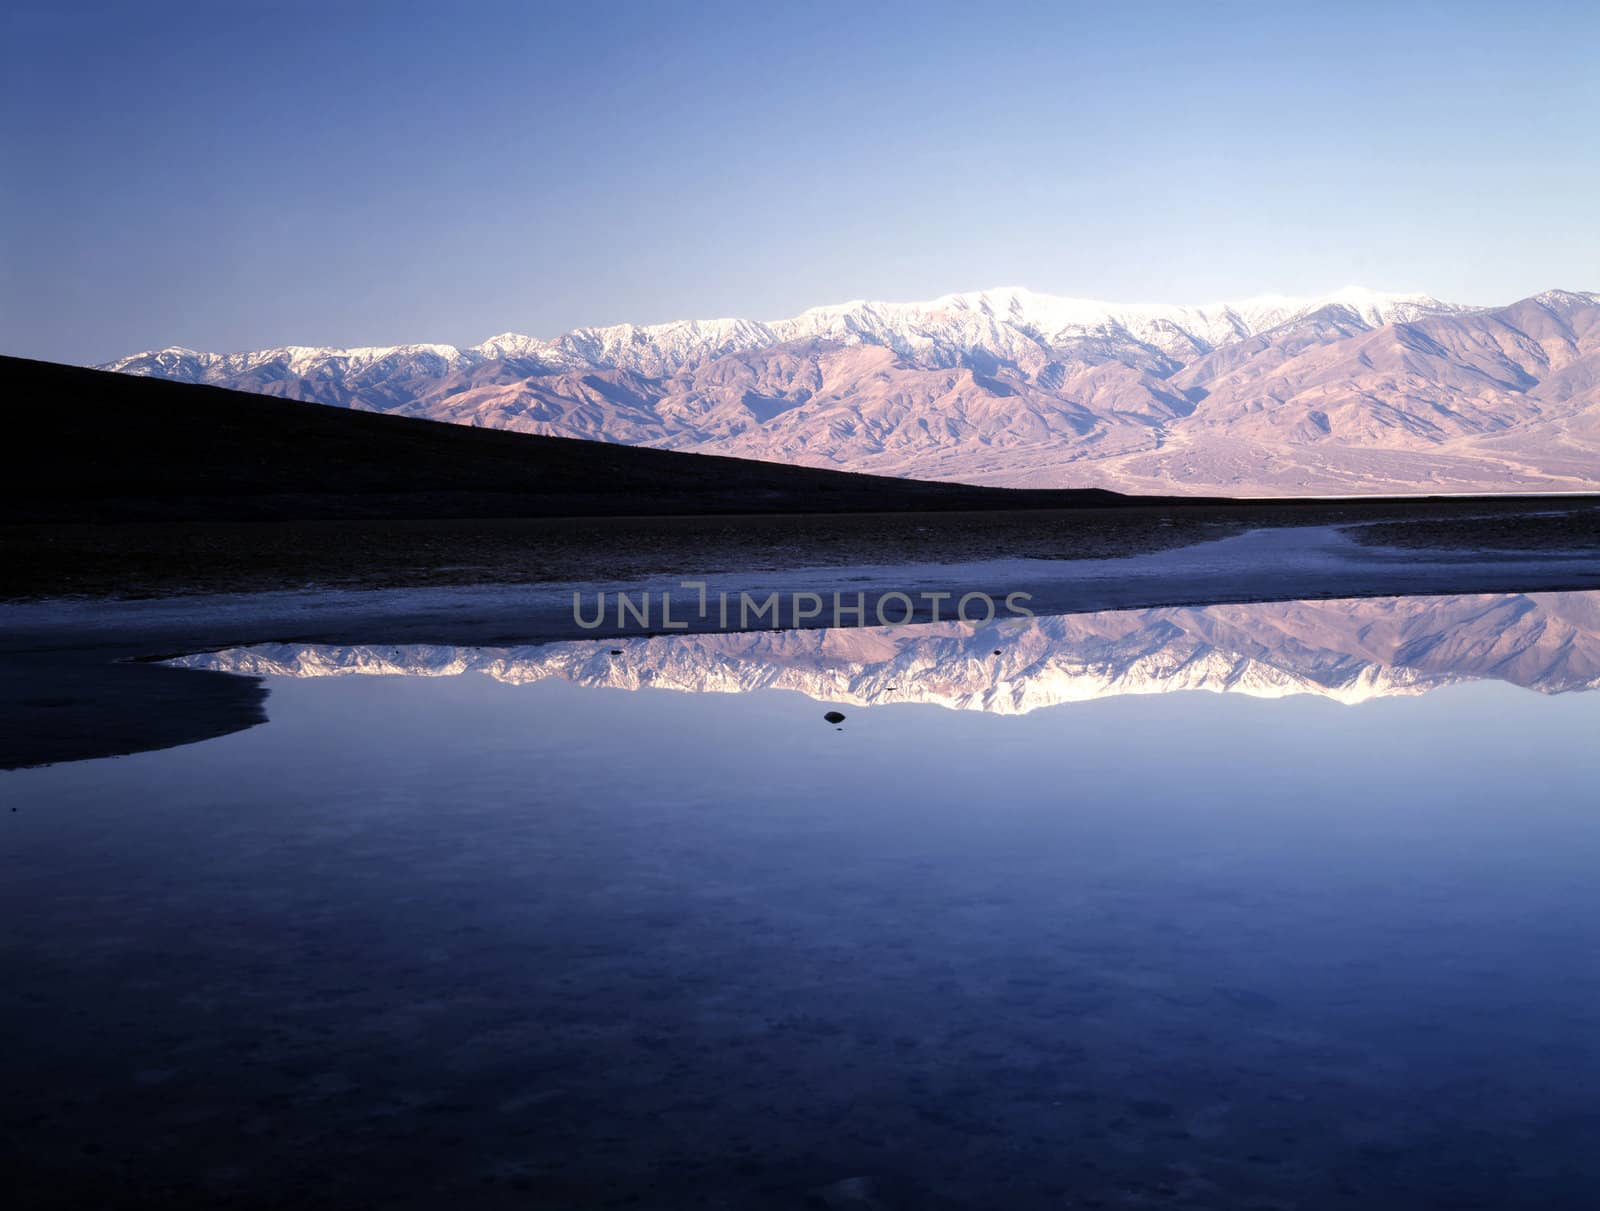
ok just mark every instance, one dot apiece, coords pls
pixel 1347 650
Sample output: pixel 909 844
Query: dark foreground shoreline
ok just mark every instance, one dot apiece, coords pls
pixel 157 559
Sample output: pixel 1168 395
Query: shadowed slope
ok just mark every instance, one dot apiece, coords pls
pixel 111 447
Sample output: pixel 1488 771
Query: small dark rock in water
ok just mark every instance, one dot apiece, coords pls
pixel 997 651
pixel 616 651
pixel 834 717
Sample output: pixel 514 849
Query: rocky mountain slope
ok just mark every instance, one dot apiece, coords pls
pixel 1354 392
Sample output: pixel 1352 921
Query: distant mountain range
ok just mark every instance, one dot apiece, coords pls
pixel 1353 392
pixel 1350 651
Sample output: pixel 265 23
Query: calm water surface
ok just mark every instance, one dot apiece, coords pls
pixel 421 941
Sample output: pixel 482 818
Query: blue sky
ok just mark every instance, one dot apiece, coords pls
pixel 233 176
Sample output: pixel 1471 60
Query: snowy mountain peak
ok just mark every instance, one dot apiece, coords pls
pixel 1566 298
pixel 1377 308
pixel 510 345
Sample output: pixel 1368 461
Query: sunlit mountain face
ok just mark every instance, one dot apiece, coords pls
pixel 1354 392
pixel 1347 650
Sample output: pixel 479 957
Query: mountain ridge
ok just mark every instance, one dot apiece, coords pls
pixel 1352 392
pixel 853 317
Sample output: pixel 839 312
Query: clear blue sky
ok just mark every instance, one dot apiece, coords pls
pixel 230 176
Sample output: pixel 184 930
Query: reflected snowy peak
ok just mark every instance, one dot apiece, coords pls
pixel 1347 650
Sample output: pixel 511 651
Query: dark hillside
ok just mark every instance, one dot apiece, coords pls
pixel 88 445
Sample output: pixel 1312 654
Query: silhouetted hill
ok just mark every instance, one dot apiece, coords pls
pixel 89 445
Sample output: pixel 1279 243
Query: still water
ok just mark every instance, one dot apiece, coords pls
pixel 583 932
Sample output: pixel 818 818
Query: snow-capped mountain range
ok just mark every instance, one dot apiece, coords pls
pixel 1008 320
pixel 1349 651
pixel 1352 391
